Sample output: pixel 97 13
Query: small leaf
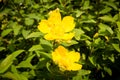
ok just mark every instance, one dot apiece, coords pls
pixel 115 17
pixel 87 21
pixel 6 32
pixel 2 48
pixel 6 63
pixel 107 18
pixel 118 24
pixel 79 13
pixel 16 28
pixel 112 58
pixel 10 76
pixel 45 43
pixel 29 21
pixel 83 72
pixel 86 4
pixel 18 1
pixel 72 42
pixel 108 70
pixel 116 46
pixel 25 33
pixel 34 34
pixel 26 63
pixel 92 60
pixel 34 16
pixel 78 33
pixel 47 55
pixel 111 4
pixel 35 48
pixel 104 27
pixel 105 10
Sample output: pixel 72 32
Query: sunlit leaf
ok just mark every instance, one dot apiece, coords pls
pixel 6 32
pixel 34 34
pixel 16 28
pixel 36 47
pixel 6 63
pixel 93 60
pixel 26 63
pixel 29 21
pixel 78 33
pixel 83 72
pixel 107 18
pixel 111 4
pixel 108 70
pixel 10 75
pixel 104 27
pixel 25 33
pixel 118 24
pixel 105 10
pixel 2 48
pixel 116 46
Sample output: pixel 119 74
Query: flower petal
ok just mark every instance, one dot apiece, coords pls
pixel 55 17
pixel 75 58
pixel 43 26
pixel 68 36
pixel 68 23
pixel 74 67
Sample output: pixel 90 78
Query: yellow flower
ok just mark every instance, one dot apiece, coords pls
pixel 56 29
pixel 66 60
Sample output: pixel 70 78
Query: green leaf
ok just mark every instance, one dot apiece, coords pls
pixel 112 58
pixel 16 28
pixel 78 33
pixel 83 72
pixel 25 33
pixel 34 16
pixel 28 2
pixel 46 45
pixel 105 10
pixel 34 34
pixel 92 60
pixel 26 63
pixel 18 1
pixel 47 55
pixel 36 47
pixel 104 27
pixel 108 70
pixel 10 75
pixel 86 5
pixel 115 17
pixel 29 21
pixel 72 42
pixel 6 63
pixel 118 35
pixel 79 13
pixel 116 46
pixel 118 24
pixel 107 18
pixel 87 21
pixel 2 48
pixel 111 4
pixel 6 32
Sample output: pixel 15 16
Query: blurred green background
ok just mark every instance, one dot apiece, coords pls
pixel 25 54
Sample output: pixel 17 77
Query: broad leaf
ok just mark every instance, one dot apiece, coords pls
pixel 6 63
pixel 26 63
pixel 6 32
pixel 36 47
pixel 116 46
pixel 34 34
pixel 107 18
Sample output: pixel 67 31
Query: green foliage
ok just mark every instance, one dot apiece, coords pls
pixel 26 55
